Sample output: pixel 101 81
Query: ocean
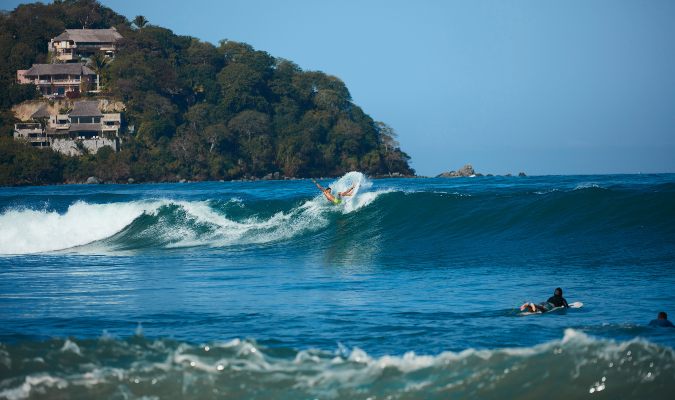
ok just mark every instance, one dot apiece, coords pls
pixel 408 290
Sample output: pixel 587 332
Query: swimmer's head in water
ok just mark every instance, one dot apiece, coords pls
pixel 557 292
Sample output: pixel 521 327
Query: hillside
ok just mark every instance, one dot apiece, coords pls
pixel 198 111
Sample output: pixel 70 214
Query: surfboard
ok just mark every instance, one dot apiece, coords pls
pixel 357 186
pixel 576 304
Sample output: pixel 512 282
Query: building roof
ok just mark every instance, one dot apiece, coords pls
pixel 59 69
pixel 41 112
pixel 85 109
pixel 90 35
pixel 85 128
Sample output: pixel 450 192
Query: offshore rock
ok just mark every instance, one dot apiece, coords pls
pixel 465 171
pixel 92 180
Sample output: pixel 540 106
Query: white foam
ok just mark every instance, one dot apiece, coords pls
pixel 587 185
pixel 227 232
pixel 31 382
pixel 27 231
pixel 71 347
pixel 309 216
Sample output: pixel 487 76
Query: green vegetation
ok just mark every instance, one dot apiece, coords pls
pixel 198 111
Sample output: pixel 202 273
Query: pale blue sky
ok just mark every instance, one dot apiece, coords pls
pixel 541 86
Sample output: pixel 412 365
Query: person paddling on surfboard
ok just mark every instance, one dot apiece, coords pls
pixel 554 301
pixel 329 195
pixel 662 321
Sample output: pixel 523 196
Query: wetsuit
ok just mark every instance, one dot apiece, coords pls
pixel 663 323
pixel 557 301
pixel 552 302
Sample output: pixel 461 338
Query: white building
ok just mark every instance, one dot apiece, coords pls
pixel 73 44
pixel 58 79
pixel 85 127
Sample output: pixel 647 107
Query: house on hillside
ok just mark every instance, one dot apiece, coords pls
pixel 74 44
pixel 87 121
pixel 33 131
pixel 85 127
pixel 58 79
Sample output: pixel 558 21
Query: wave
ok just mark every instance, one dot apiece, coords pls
pixel 576 365
pixel 169 223
pixel 31 231
pixel 392 215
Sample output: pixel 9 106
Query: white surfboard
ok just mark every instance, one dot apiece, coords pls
pixel 357 186
pixel 576 304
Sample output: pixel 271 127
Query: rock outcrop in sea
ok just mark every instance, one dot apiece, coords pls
pixel 465 171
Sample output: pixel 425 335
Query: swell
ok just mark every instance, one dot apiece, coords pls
pixel 526 214
pixel 575 366
pixel 387 216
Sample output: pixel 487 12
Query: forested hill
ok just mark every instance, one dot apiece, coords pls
pixel 199 111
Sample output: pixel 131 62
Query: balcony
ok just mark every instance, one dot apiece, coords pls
pixel 64 45
pixel 26 129
pixel 112 118
pixel 66 81
pixel 36 139
pixel 59 82
pixel 28 125
pixel 66 56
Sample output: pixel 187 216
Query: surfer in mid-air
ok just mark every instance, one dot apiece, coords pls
pixel 555 301
pixel 329 195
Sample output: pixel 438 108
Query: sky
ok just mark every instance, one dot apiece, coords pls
pixel 539 86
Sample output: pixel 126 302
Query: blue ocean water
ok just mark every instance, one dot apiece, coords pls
pixel 408 290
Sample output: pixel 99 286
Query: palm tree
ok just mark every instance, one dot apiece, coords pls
pixel 97 62
pixel 140 21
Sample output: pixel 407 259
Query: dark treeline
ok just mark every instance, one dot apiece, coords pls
pixel 199 111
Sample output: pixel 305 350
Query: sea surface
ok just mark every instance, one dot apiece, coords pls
pixel 408 290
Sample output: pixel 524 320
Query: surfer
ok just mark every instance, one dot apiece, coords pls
pixel 661 321
pixel 557 300
pixel 329 195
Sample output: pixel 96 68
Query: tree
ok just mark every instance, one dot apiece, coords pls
pixel 97 62
pixel 387 136
pixel 250 123
pixel 140 21
pixel 254 132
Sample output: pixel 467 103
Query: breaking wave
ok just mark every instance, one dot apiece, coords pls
pixel 393 214
pixel 576 365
